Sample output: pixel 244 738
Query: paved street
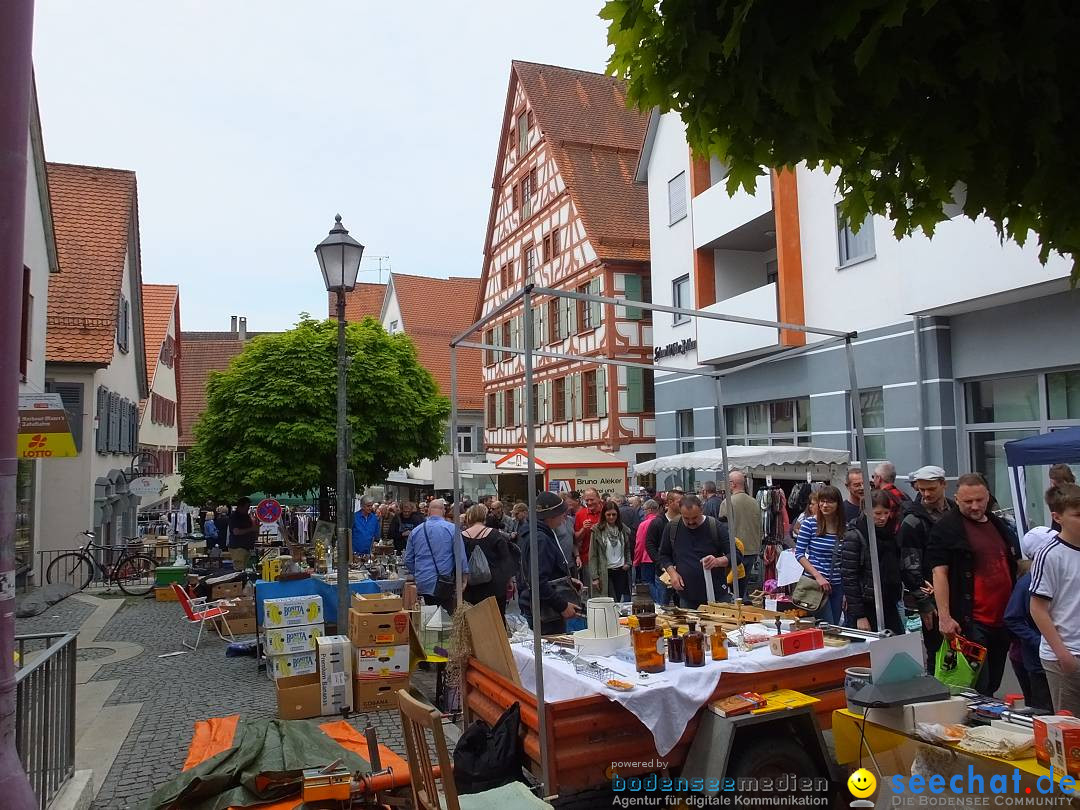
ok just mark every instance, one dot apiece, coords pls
pixel 167 695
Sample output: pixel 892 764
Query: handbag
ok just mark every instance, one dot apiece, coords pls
pixel 445 586
pixel 564 588
pixel 479 567
pixel 808 594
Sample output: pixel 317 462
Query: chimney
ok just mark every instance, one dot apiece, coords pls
pixel 243 328
pixel 232 324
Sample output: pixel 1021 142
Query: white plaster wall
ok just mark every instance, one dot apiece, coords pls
pixel 671 247
pixel 164 385
pixel 393 310
pixel 36 257
pixel 66 494
pixel 739 271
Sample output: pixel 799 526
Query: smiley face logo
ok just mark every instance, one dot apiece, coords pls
pixel 861 783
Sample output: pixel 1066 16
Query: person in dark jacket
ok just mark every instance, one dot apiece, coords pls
pixel 692 545
pixel 857 574
pixel 1027 666
pixel 551 565
pixel 501 554
pixel 403 523
pixel 973 553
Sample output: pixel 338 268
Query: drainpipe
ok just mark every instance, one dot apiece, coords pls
pixel 920 373
pixel 16 72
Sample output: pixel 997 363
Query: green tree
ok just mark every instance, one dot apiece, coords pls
pixel 270 421
pixel 907 98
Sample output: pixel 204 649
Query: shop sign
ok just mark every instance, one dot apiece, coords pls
pixel 561 485
pixel 678 347
pixel 43 428
pixel 610 480
pixel 145 485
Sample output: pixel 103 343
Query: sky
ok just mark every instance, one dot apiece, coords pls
pixel 251 124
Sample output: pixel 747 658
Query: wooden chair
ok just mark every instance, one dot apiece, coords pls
pixel 417 719
pixel 199 611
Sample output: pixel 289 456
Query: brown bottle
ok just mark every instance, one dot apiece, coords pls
pixel 648 644
pixel 642 601
pixel 718 643
pixel 676 647
pixel 694 645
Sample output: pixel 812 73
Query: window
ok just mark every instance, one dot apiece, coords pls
pixel 595 393
pixel 529 262
pixel 589 312
pixel 558 398
pixel 1006 399
pixel 490 411
pixel 1063 394
pixel 872 407
pixel 545 255
pixel 781 422
pixel 26 324
pixel 554 307
pixel 464 438
pixel 680 297
pixel 515 196
pixel 122 317
pixel 676 195
pixel 505 275
pixel 684 431
pixel 528 190
pixel 523 133
pixel 854 247
pixel 489 354
pixel 506 334
pixel 556 242
pixel 393 327
pixel 71 394
pixel 181 457
pixel 162 410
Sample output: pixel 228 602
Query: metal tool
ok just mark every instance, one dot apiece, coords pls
pixel 853 632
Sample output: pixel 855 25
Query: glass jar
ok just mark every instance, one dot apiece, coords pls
pixel 718 644
pixel 694 647
pixel 648 644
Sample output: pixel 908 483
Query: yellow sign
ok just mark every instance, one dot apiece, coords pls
pixel 43 428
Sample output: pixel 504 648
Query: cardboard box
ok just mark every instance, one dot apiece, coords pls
pixel 283 666
pixel 242 607
pixel 378 695
pixel 166 594
pixel 378 629
pixel 279 640
pixel 297 697
pixel 376 662
pixel 376 602
pixel 797 642
pixel 335 673
pixel 227 590
pixel 906 718
pixel 1046 745
pixel 242 627
pixel 292 611
pixel 1063 743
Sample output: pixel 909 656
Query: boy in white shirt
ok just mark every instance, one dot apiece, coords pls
pixel 1055 600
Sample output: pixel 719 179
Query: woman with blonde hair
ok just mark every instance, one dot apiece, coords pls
pixel 496 547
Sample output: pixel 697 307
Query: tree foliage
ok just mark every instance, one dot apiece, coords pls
pixel 271 419
pixel 907 98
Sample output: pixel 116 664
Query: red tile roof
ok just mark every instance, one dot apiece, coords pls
pixel 159 301
pixel 364 299
pixel 92 212
pixel 200 357
pixel 595 140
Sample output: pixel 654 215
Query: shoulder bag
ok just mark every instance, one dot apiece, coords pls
pixel 479 566
pixel 808 594
pixel 445 586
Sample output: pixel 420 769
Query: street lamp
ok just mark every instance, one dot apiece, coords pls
pixel 339 259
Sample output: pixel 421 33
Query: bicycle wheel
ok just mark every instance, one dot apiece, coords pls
pixel 135 575
pixel 74 568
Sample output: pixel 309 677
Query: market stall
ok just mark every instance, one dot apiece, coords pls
pixel 781 461
pixel 1058 447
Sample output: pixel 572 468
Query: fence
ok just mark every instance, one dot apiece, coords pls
pixel 163 552
pixel 45 710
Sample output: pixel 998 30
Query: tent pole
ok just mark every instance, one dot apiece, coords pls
pixel 733 557
pixel 456 506
pixel 534 565
pixel 868 506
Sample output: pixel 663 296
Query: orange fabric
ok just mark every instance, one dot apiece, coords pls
pixel 211 738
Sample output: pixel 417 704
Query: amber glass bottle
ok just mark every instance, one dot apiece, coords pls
pixel 718 643
pixel 676 646
pixel 648 644
pixel 694 646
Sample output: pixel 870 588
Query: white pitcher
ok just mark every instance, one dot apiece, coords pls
pixel 603 617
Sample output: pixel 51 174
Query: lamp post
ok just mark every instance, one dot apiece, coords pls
pixel 339 259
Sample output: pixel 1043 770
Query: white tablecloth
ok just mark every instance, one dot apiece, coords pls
pixel 672 700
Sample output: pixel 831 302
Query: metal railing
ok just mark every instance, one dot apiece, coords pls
pixel 163 552
pixel 45 710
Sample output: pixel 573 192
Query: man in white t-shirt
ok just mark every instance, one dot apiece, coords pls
pixel 1055 600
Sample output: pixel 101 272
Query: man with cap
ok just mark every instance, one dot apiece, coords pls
pixel 918 518
pixel 554 609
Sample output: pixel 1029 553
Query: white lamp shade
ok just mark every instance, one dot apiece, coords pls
pixel 339 258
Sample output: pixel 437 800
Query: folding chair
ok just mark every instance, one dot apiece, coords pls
pixel 417 719
pixel 200 611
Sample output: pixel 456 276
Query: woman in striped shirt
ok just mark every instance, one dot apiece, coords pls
pixel 817 549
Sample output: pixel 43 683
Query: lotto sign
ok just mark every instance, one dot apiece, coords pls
pixel 43 428
pixel 268 510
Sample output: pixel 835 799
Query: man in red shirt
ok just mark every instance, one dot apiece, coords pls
pixel 586 517
pixel 972 553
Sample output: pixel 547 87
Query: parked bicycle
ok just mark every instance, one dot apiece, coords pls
pixel 133 572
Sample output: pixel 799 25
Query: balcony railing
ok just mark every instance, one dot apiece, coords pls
pixel 45 710
pixel 718 217
pixel 720 340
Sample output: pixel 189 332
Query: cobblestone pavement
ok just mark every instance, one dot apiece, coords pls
pixel 68 614
pixel 179 690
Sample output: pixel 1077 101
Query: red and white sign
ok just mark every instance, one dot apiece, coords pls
pixel 268 510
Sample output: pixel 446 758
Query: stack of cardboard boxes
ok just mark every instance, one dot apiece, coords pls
pixel 291 627
pixel 241 606
pixel 379 630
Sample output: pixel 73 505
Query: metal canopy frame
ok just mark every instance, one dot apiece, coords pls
pixel 525 297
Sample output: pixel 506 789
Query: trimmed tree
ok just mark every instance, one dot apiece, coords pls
pixel 920 104
pixel 270 421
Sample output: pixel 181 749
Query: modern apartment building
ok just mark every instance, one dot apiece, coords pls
pixel 964 342
pixel 566 213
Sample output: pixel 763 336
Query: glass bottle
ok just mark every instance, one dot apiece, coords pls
pixel 642 601
pixel 694 646
pixel 648 644
pixel 676 646
pixel 718 644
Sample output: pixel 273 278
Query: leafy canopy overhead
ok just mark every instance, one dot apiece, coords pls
pixel 271 419
pixel 908 98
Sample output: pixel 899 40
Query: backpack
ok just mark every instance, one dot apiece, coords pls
pixel 714 531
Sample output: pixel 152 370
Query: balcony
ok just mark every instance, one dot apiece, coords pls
pixel 742 222
pixel 719 341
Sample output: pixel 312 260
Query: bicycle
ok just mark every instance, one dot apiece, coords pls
pixel 133 572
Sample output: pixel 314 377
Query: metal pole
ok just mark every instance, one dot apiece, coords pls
pixel 16 78
pixel 733 556
pixel 868 506
pixel 920 412
pixel 456 507
pixel 344 512
pixel 534 565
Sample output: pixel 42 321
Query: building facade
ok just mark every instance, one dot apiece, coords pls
pixel 961 340
pixel 565 213
pixel 159 423
pixel 95 356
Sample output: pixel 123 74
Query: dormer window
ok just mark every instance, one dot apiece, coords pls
pixel 123 319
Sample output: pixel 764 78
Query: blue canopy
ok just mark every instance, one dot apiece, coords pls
pixel 1061 446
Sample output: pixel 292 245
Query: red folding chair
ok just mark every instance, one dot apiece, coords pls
pixel 200 611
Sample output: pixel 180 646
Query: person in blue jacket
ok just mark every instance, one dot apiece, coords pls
pixel 365 527
pixel 1026 635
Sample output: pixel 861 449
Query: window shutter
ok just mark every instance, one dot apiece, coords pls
pixel 570 316
pixel 635 390
pixel 594 306
pixel 579 396
pixel 71 394
pixel 676 198
pixel 568 397
pixel 114 422
pixel 601 391
pixel 133 443
pixel 632 286
pixel 515 332
pixel 101 415
pixel 125 426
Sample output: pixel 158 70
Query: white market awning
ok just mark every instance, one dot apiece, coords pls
pixel 744 457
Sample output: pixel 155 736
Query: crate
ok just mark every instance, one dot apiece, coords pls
pixel 165 575
pixel 166 594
